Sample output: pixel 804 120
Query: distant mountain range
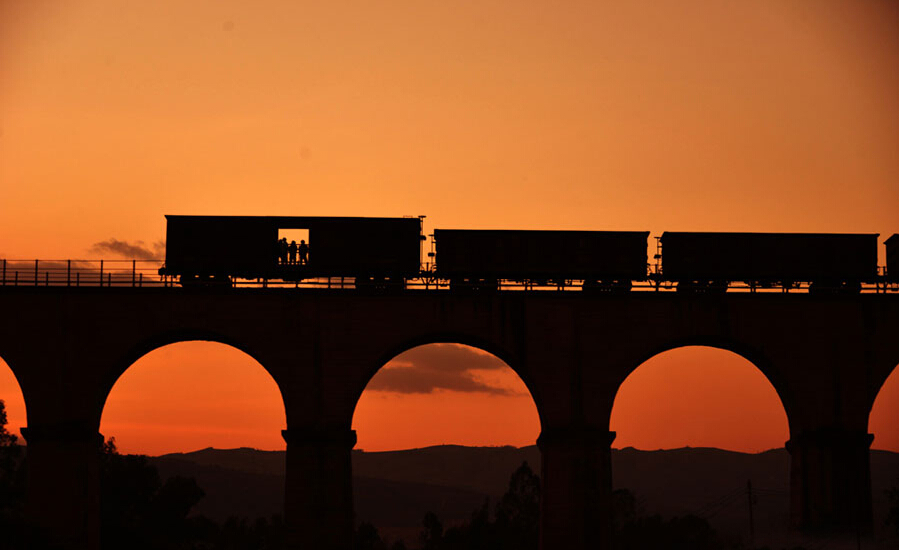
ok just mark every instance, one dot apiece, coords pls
pixel 394 489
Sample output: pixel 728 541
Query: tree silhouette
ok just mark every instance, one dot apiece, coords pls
pixel 515 527
pixel 137 510
pixel 6 439
pixel 431 537
pixel 518 511
pixel 368 538
pixel 633 531
pixel 624 508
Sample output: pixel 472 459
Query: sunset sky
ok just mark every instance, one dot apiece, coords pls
pixel 696 115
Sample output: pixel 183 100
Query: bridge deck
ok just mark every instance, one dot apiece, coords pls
pixel 145 274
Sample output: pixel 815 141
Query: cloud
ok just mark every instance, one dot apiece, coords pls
pixel 136 250
pixel 439 367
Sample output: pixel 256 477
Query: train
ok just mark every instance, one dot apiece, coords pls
pixel 386 253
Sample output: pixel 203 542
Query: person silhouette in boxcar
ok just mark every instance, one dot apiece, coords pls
pixel 282 250
pixel 292 252
pixel 304 252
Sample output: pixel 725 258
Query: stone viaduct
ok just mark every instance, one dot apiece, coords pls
pixel 827 357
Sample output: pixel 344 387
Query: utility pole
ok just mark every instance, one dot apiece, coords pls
pixel 751 521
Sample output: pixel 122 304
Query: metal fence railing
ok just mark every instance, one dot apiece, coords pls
pixel 97 273
pixel 145 274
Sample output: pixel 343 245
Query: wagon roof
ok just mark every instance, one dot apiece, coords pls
pixel 555 231
pixel 766 235
pixel 284 219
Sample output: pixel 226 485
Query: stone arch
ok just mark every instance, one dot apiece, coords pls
pixel 129 356
pixel 701 423
pixel 503 419
pixel 160 403
pixel 752 355
pixel 159 340
pixel 497 350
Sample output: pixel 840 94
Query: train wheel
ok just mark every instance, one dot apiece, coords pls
pixel 395 283
pixel 220 281
pixel 621 287
pixel 488 285
pixel 717 287
pixel 363 282
pixel 686 287
pixel 852 287
pixel 188 280
pixel 834 287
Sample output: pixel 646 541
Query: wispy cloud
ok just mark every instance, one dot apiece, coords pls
pixel 136 250
pixel 439 367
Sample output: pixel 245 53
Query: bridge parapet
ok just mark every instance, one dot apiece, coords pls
pixel 117 273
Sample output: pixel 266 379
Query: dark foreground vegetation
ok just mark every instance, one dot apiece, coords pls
pixel 138 510
pixel 513 526
pixel 141 511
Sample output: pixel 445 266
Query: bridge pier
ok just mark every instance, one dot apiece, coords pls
pixel 576 497
pixel 63 499
pixel 318 506
pixel 830 481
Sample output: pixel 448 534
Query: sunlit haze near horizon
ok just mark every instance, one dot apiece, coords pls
pixel 697 115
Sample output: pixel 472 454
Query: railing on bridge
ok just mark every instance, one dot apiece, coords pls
pixel 123 273
pixel 98 273
pixel 145 274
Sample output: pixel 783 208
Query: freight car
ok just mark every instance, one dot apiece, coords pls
pixel 608 260
pixel 217 249
pixel 710 261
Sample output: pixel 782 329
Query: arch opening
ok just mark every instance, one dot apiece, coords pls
pixel 13 401
pixel 885 461
pixel 192 395
pixel 700 432
pixel 445 426
pixel 706 396
pixel 884 412
pixel 13 453
pixel 208 418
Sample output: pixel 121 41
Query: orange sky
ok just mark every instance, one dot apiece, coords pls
pixel 645 115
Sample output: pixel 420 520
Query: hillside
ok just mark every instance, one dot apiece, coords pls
pixel 394 489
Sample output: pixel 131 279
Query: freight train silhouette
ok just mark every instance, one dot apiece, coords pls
pixel 383 253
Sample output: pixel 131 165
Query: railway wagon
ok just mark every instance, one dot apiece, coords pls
pixel 827 261
pixel 602 259
pixel 892 250
pixel 226 247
